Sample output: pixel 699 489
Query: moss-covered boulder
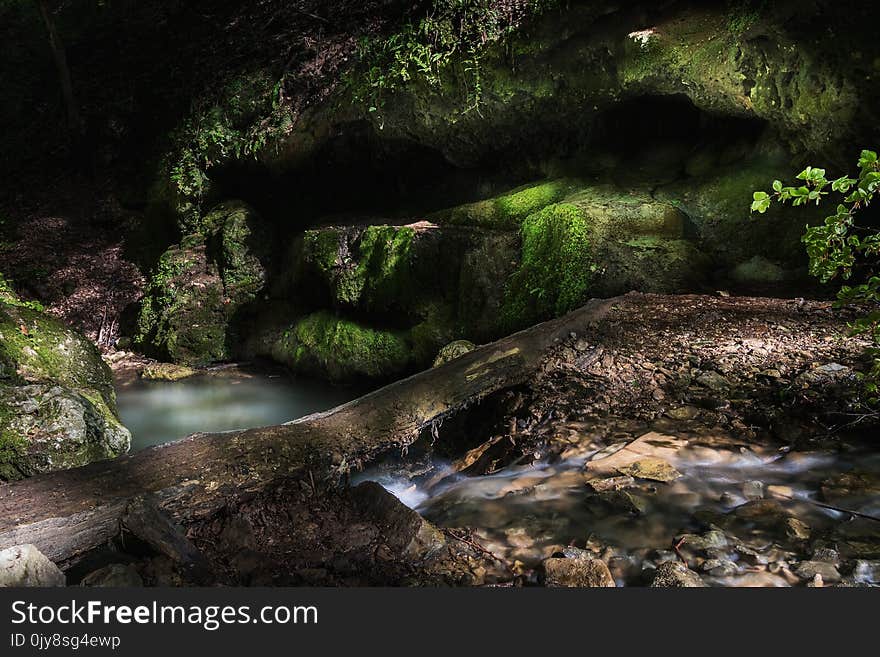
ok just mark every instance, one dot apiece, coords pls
pixel 201 289
pixel 57 402
pixel 508 210
pixel 339 349
pixel 371 269
pixel 557 77
pixel 36 348
pixel 45 427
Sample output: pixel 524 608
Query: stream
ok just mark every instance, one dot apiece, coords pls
pixel 750 515
pixel 226 399
pixel 751 512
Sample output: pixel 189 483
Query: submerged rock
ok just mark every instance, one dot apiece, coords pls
pixel 673 574
pixel 25 565
pixel 579 572
pixel 651 468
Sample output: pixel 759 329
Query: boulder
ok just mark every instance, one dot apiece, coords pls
pixel 25 565
pixel 48 427
pixel 200 288
pixel 167 372
pixel 579 572
pixel 57 401
pixel 114 575
pixel 673 574
pixel 452 351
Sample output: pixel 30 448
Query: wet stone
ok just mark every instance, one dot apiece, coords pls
pixel 653 469
pixel 673 574
pixel 581 572
pixel 796 530
pixel 753 490
pixel 807 570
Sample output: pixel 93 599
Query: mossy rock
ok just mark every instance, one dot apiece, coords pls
pixel 241 248
pixel 453 350
pixel 45 427
pixel 718 204
pixel 167 372
pixel 368 268
pixel 556 267
pixel 339 349
pixel 200 290
pixel 507 211
pixel 36 348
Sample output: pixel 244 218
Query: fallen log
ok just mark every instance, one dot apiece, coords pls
pixel 70 513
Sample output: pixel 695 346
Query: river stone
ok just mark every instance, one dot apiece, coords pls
pixel 710 540
pixel 753 490
pixel 25 565
pixel 796 530
pixel 167 372
pixel 452 351
pixel 581 572
pixel 651 468
pixel 807 570
pixel 116 575
pixel 673 574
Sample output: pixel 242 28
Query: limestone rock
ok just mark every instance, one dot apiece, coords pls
pixel 651 468
pixel 579 572
pixel 673 574
pixel 48 427
pixel 25 565
pixel 167 372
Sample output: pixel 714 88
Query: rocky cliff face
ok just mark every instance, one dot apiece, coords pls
pixel 643 131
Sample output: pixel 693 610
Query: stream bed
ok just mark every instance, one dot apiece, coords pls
pixel 749 515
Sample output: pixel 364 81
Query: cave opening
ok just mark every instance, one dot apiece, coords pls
pixel 360 175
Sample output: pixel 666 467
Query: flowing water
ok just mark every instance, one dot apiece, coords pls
pixel 736 503
pixel 161 411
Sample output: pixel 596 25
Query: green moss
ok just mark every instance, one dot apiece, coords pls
pixel 10 297
pixel 556 267
pixel 35 347
pixel 369 270
pixel 509 210
pixel 13 447
pixel 199 289
pixel 341 350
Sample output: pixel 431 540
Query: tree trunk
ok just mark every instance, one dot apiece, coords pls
pixel 59 54
pixel 66 514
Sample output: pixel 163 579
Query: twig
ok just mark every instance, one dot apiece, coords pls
pixel 822 505
pixel 676 547
pixel 477 547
